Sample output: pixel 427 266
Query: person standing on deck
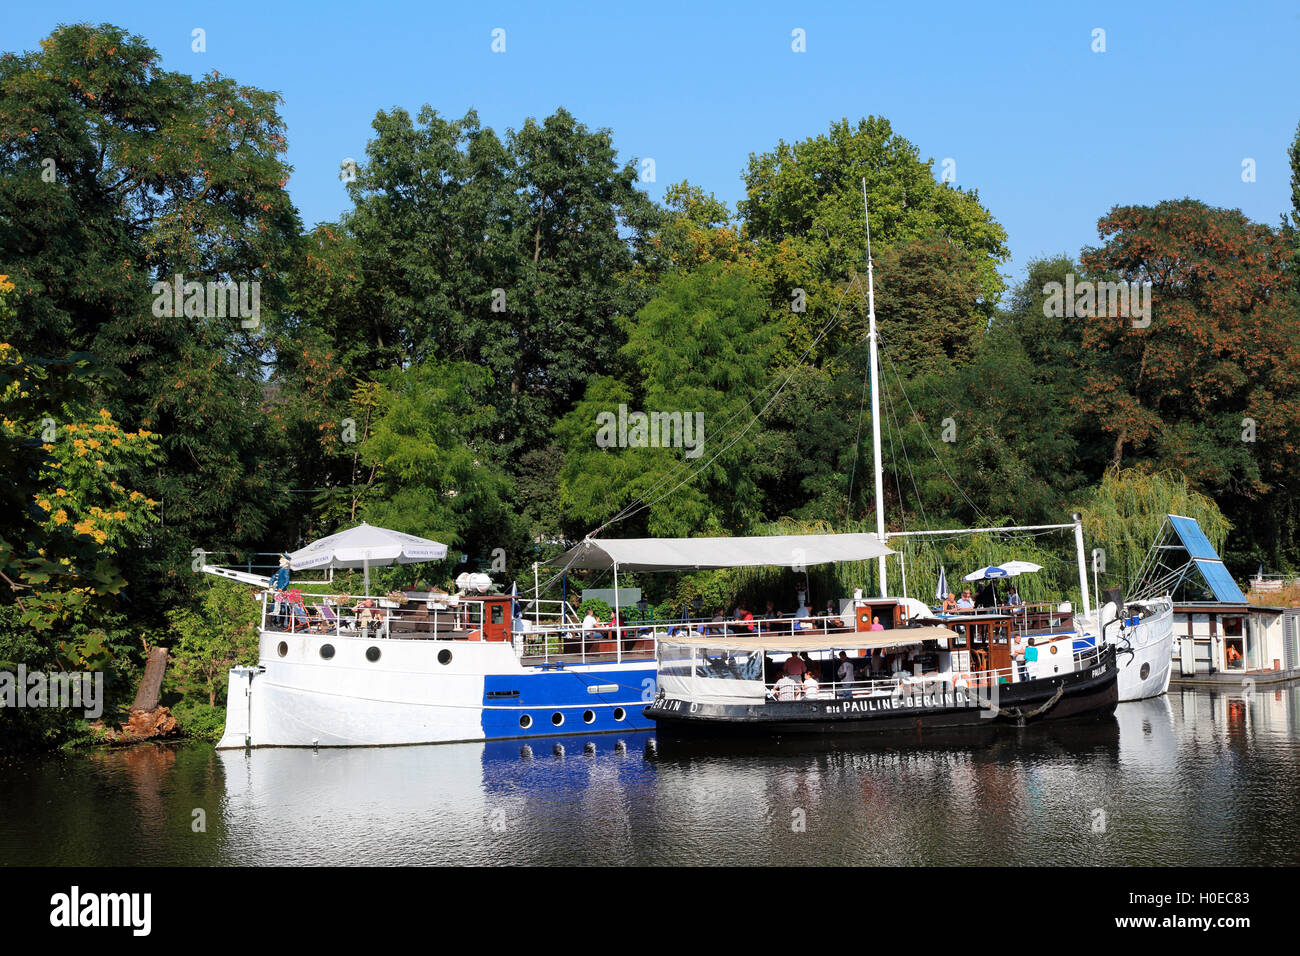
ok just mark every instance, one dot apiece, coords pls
pixel 279 584
pixel 845 674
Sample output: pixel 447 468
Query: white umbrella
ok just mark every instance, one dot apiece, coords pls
pixel 941 591
pixel 1008 570
pixel 364 545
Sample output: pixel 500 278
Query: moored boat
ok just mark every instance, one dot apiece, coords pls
pixel 723 686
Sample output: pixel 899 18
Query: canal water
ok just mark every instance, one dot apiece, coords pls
pixel 1198 777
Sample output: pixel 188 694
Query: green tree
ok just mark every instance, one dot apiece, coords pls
pixel 209 641
pixel 702 345
pixel 116 175
pixel 435 472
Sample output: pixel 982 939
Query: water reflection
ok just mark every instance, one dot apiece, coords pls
pixel 1208 777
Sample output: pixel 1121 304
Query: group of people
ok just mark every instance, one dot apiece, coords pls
pixel 953 605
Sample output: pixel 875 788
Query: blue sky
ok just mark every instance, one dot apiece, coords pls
pixel 1051 133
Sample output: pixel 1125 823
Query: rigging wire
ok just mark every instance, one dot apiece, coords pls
pixel 636 507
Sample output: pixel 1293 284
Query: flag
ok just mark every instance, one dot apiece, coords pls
pixel 942 591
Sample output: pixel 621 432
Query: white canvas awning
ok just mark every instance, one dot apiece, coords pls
pixel 678 554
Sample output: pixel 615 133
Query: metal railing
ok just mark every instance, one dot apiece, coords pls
pixel 925 683
pixel 346 616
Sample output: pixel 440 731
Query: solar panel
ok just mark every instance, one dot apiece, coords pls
pixel 1193 538
pixel 1220 581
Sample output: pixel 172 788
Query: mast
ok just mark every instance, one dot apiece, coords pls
pixel 878 468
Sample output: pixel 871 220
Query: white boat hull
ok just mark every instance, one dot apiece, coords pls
pixel 410 695
pixel 1145 672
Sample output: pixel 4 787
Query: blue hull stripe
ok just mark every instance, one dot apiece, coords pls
pixel 558 702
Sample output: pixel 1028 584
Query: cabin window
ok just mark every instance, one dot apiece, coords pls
pixel 283 649
pixel 557 719
pixel 327 651
pixel 1232 627
pixel 372 654
pixel 588 716
pixel 498 614
pixel 444 656
pixel 619 713
pixel 525 721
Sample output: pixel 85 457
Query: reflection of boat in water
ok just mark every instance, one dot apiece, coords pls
pixel 413 805
pixel 1147 738
pixel 1003 743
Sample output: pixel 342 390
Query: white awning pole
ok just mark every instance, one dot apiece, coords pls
pixel 618 628
pixel 1083 567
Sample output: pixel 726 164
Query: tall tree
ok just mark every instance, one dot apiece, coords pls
pixel 115 176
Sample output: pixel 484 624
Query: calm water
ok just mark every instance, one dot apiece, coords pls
pixel 1197 777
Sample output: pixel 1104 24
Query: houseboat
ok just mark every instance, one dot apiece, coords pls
pixel 421 667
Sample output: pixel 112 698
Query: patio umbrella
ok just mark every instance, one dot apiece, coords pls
pixel 366 545
pixel 941 591
pixel 1008 570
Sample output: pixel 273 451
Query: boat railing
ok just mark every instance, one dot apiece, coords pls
pixel 375 617
pixel 905 683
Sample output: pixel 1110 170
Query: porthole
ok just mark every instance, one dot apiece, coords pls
pixel 588 716
pixel 1053 649
pixel 372 654
pixel 1146 670
pixel 327 651
pixel 444 656
pixel 283 649
pixel 525 721
pixel 557 719
pixel 619 713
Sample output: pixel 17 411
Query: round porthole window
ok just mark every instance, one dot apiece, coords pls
pixel 283 649
pixel 619 713
pixel 588 716
pixel 372 654
pixel 1145 672
pixel 557 719
pixel 1053 651
pixel 525 721
pixel 327 651
pixel 444 656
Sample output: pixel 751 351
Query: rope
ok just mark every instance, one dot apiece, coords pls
pixel 1019 716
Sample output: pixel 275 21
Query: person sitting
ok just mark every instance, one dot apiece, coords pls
pixel 590 622
pixel 719 618
pixel 876 625
pixel 746 619
pixel 832 615
pixel 787 688
pixel 365 614
pixel 1014 602
pixel 949 604
pixel 965 603
pixel 811 689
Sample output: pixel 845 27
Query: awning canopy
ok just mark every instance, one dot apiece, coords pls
pixel 677 554
pixel 862 640
pixel 366 546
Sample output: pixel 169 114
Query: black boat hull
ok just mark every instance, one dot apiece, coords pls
pixel 1083 695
